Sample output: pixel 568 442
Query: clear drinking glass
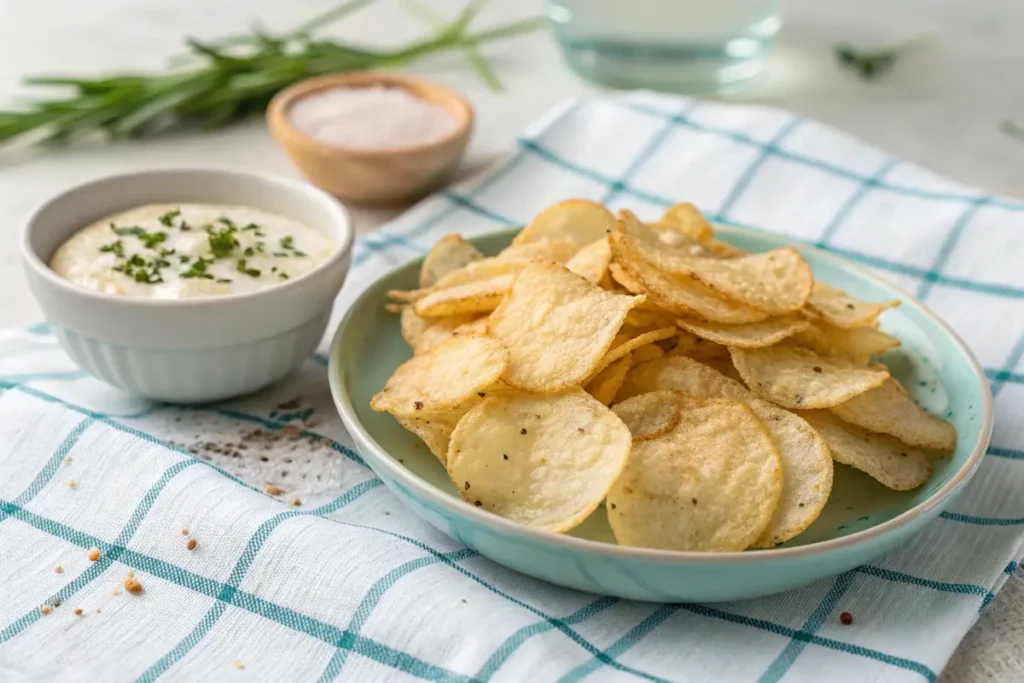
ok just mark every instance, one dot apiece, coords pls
pixel 677 45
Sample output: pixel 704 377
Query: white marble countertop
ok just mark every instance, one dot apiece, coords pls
pixel 941 107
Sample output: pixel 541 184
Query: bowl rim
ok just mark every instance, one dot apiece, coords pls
pixel 457 507
pixel 310 193
pixel 281 125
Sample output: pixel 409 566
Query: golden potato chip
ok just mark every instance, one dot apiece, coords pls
pixel 621 346
pixel 622 276
pixel 451 252
pixel 799 379
pixel 443 328
pixel 580 221
pixel 606 383
pixel 392 307
pixel 687 220
pixel 719 249
pixel 681 295
pixel 700 349
pixel 837 308
pixel 557 327
pixel 478 271
pixel 890 410
pixel 413 326
pixel 749 335
pixel 858 344
pixel 452 372
pixel 434 433
pixel 649 415
pixel 546 461
pixel 473 297
pixel 723 365
pixel 646 318
pixel 646 353
pixel 805 459
pixel 559 251
pixel 891 463
pixel 591 261
pixel 709 484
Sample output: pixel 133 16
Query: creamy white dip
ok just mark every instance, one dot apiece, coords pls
pixel 185 251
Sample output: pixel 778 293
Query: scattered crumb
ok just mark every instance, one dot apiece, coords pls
pixel 239 665
pixel 273 490
pixel 68 460
pixel 59 569
pixel 296 502
pixel 191 545
pixel 45 609
pixel 291 432
pixel 132 585
pixel 56 602
pixel 71 483
pixel 115 591
pixel 184 532
pixel 78 611
pixel 131 572
pixel 98 610
pixel 94 554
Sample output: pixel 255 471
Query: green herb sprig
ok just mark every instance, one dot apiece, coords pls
pixel 224 80
pixel 870 64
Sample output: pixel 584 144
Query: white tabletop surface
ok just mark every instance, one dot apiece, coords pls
pixel 940 107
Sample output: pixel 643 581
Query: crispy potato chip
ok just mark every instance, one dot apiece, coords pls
pixel 890 410
pixel 806 461
pixel 591 261
pixel 559 251
pixel 837 308
pixel 723 365
pixel 709 484
pixel 646 318
pixel 478 271
pixel 622 276
pixel 413 326
pixel 858 344
pixel 799 379
pixel 606 383
pixel 451 252
pixel 646 353
pixel 580 221
pixel 700 349
pixel 687 220
pixel 473 297
pixel 557 327
pixel 443 328
pixel 439 380
pixel 776 282
pixel 434 433
pixel 749 335
pixel 681 295
pixel 392 307
pixel 891 463
pixel 649 415
pixel 622 346
pixel 544 461
pixel 719 249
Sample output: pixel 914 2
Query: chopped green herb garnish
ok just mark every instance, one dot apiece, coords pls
pixel 116 248
pixel 197 269
pixel 166 252
pixel 242 268
pixel 249 251
pixel 222 242
pixel 168 218
pixel 184 227
pixel 298 253
pixel 273 269
pixel 149 239
pixel 260 246
pixel 869 64
pixel 283 275
pixel 223 280
pixel 148 278
pixel 133 230
pixel 137 260
pixel 287 242
pixel 183 258
pixel 281 253
pixel 251 226
pixel 227 221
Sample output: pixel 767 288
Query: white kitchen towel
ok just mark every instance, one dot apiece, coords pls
pixel 345 584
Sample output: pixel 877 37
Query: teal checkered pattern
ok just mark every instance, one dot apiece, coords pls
pixel 350 586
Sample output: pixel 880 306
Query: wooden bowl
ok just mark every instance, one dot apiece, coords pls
pixel 373 176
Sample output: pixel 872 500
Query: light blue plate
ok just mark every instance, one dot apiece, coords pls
pixel 862 520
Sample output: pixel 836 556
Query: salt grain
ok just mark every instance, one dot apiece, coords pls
pixel 370 118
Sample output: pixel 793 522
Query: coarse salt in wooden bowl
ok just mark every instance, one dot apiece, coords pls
pixel 370 170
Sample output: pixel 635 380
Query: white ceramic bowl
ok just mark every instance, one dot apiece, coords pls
pixel 192 350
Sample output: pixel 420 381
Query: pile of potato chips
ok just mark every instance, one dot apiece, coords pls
pixel 700 392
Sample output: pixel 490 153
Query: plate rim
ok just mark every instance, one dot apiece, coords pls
pixel 496 523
